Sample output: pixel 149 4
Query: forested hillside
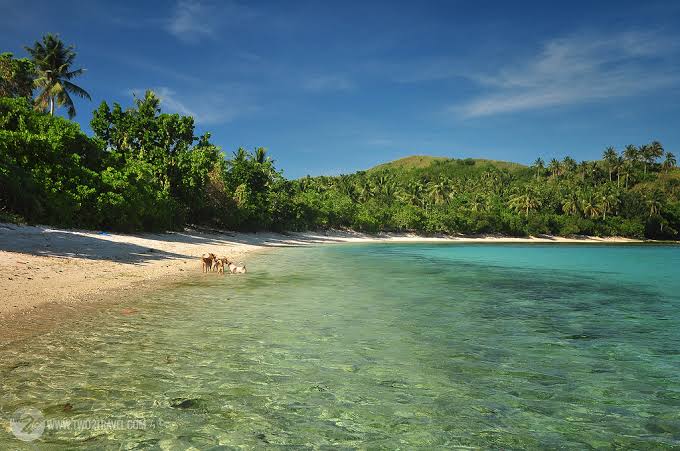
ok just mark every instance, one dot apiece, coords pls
pixel 147 170
pixel 631 194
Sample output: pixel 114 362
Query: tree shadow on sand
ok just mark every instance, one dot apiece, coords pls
pixel 48 242
pixel 92 245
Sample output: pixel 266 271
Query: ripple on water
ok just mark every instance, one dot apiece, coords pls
pixel 385 346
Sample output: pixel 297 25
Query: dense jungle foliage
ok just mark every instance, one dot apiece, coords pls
pixel 147 170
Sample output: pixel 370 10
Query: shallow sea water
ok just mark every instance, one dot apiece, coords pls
pixel 380 346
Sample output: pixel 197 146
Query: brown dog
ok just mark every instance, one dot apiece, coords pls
pixel 219 263
pixel 207 260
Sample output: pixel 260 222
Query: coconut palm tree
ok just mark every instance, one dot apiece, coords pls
pixel 654 206
pixel 656 151
pixel 608 200
pixel 539 164
pixel 241 154
pixel 619 164
pixel 609 156
pixel 555 167
pixel 261 155
pixel 524 201
pixel 437 191
pixel 570 204
pixel 589 206
pixel 631 153
pixel 669 163
pixel 53 61
pixel 365 191
pixel 569 164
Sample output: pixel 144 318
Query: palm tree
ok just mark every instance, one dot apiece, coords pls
pixel 590 207
pixel 365 191
pixel 610 156
pixel 539 164
pixel 555 167
pixel 524 201
pixel 570 205
pixel 261 155
pixel 569 164
pixel 437 191
pixel 619 164
pixel 654 206
pixel 670 162
pixel 631 153
pixel 608 201
pixel 241 154
pixel 656 151
pixel 53 60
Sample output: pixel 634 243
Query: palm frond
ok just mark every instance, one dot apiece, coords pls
pixel 75 89
pixel 63 99
pixel 73 73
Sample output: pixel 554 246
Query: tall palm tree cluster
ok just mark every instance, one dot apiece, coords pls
pixel 595 188
pixel 633 185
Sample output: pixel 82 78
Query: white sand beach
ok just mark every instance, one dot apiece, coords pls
pixel 44 265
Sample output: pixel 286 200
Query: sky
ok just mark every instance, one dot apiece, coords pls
pixel 335 87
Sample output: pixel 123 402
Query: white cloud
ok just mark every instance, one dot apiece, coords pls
pixel 575 70
pixel 193 20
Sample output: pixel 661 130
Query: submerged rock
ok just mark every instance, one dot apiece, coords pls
pixel 185 403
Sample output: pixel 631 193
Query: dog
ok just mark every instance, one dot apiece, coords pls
pixel 220 262
pixel 236 269
pixel 207 261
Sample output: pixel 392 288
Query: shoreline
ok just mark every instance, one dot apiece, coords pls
pixel 45 269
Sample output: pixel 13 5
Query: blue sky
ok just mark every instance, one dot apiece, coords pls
pixel 333 87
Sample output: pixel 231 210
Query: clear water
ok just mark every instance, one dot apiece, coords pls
pixel 375 346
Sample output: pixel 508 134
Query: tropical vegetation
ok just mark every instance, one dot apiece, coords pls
pixel 143 169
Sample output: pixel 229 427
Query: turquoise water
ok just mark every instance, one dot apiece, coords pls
pixel 375 346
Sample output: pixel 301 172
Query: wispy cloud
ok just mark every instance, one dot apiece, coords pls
pixel 221 105
pixel 191 21
pixel 575 70
pixel 194 20
pixel 325 83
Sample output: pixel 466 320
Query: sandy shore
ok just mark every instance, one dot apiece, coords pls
pixel 43 265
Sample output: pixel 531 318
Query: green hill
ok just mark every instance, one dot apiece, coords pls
pixel 426 161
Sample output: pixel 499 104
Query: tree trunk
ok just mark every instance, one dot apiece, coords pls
pixel 51 106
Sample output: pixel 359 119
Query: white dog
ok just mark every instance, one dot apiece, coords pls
pixel 236 269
